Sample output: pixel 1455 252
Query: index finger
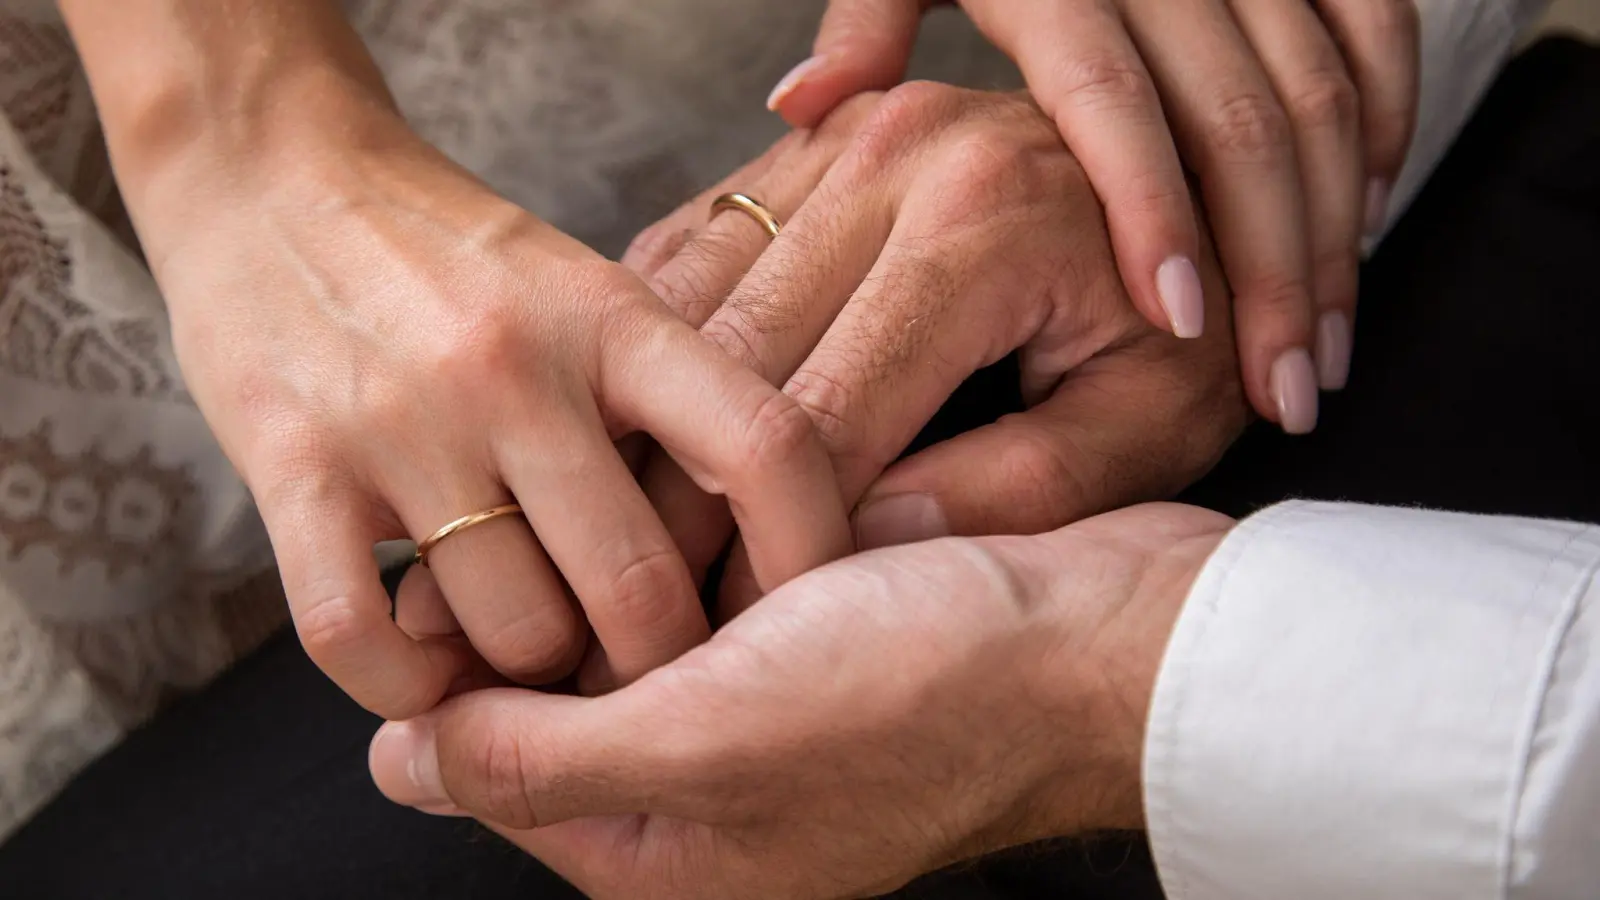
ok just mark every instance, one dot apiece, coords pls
pixel 1084 69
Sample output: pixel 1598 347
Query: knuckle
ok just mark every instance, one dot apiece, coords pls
pixel 848 118
pixel 1248 127
pixel 1107 83
pixel 1151 195
pixel 332 632
pixel 258 393
pixel 1326 100
pixel 828 401
pixel 539 646
pixel 647 592
pixel 1200 403
pixel 1388 136
pixel 932 271
pixel 1387 41
pixel 990 170
pixel 330 628
pixel 1340 256
pixel 1398 17
pixel 727 333
pixel 763 308
pixel 611 303
pixel 468 351
pixel 506 767
pixel 380 405
pixel 1275 298
pixel 604 285
pixel 776 433
pixel 1042 467
pixel 902 115
pixel 696 280
pixel 1335 271
pixel 296 466
pixel 654 246
pixel 916 102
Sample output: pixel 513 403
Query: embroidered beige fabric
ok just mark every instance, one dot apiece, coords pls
pixel 132 564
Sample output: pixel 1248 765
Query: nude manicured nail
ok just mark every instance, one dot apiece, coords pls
pixel 1182 297
pixel 1294 390
pixel 404 759
pixel 900 519
pixel 1333 351
pixel 789 82
pixel 1378 191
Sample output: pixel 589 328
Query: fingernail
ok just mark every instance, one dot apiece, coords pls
pixel 1182 297
pixel 900 519
pixel 789 82
pixel 404 759
pixel 449 809
pixel 1294 390
pixel 1333 351
pixel 1377 206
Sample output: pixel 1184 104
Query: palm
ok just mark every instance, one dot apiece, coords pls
pixel 877 718
pixel 850 650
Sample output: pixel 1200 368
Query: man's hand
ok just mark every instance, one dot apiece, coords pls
pixel 873 720
pixel 929 232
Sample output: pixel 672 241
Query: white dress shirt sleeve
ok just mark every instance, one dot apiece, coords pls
pixel 1464 45
pixel 1360 702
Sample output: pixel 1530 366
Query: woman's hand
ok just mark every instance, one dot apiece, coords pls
pixel 1295 115
pixel 382 346
pixel 930 232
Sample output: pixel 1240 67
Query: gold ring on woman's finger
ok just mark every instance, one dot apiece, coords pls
pixel 426 545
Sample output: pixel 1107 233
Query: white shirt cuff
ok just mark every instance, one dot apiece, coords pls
pixel 1350 701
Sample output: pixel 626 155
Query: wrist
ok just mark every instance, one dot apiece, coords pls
pixel 179 143
pixel 1108 680
pixel 191 89
pixel 1148 623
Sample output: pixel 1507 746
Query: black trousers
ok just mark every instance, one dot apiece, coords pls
pixel 1473 389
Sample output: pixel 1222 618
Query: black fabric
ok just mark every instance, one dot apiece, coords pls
pixel 1472 389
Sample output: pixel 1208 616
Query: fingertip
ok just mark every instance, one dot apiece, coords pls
pixel 595 675
pixel 861 45
pixel 1275 333
pixel 446 663
pixel 779 100
pixel 1293 384
pixel 1156 241
pixel 902 518
pixel 403 760
pixel 809 101
pixel 739 589
pixel 1334 348
pixel 1182 296
pixel 1376 215
pixel 815 88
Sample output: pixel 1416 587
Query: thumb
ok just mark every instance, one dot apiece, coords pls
pixel 1082 451
pixel 522 759
pixel 863 45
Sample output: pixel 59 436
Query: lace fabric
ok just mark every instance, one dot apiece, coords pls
pixel 132 563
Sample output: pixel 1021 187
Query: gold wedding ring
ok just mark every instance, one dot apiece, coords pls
pixel 749 207
pixel 426 546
